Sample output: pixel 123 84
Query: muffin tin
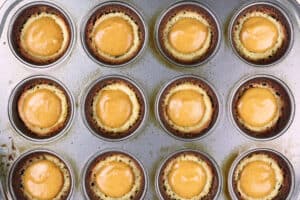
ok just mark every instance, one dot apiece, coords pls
pixel 151 71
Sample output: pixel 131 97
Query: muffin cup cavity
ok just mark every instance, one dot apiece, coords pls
pixel 159 107
pixel 87 110
pixel 200 9
pixel 281 90
pixel 114 7
pixel 217 180
pixel 101 156
pixel 277 12
pixel 17 123
pixel 16 171
pixel 17 24
pixel 286 190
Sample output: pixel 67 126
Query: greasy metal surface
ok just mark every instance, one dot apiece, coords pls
pixel 152 144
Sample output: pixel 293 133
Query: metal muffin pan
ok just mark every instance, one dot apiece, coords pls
pixel 153 144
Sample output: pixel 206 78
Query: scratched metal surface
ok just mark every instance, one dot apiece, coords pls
pixel 151 71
